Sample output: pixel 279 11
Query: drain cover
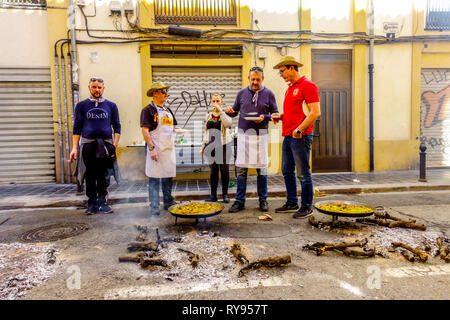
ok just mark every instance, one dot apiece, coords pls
pixel 54 232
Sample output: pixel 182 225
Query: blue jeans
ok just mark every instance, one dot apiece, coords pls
pixel 261 182
pixel 153 192
pixel 296 153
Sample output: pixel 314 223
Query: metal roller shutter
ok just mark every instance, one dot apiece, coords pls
pixel 26 126
pixel 190 99
pixel 435 116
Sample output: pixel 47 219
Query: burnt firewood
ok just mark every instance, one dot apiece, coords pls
pixel 136 257
pixel 401 224
pixel 237 253
pixel 321 247
pixel 423 257
pixel 408 256
pixel 142 246
pixel 143 231
pixel 358 253
pixel 386 215
pixel 444 251
pixel 270 262
pixel 147 262
pixel 193 257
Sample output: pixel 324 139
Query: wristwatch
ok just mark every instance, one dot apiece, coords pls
pixel 297 131
pixel 151 148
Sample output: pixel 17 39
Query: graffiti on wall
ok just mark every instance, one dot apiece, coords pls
pixel 436 104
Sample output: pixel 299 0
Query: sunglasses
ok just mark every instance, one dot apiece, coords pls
pixel 256 69
pixel 95 79
pixel 163 91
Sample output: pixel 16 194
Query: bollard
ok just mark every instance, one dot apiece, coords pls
pixel 423 167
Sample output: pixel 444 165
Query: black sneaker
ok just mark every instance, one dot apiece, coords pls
pixel 303 212
pixel 288 207
pixel 91 209
pixel 211 199
pixel 168 205
pixel 154 213
pixel 226 199
pixel 237 206
pixel 104 208
pixel 263 206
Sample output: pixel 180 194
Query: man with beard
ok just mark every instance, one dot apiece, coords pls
pixel 94 148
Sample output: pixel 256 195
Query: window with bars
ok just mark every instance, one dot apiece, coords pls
pixel 23 3
pixel 214 12
pixel 438 15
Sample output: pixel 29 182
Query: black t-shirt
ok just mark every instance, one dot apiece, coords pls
pixel 214 125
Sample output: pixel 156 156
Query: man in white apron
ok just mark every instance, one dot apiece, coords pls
pixel 254 104
pixel 157 124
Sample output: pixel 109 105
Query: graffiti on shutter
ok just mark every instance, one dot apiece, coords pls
pixel 435 116
pixel 190 100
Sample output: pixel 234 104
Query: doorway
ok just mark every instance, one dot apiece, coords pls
pixel 332 73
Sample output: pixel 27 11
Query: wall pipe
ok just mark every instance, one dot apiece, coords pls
pixel 66 113
pixel 58 102
pixel 73 42
pixel 371 68
pixel 58 99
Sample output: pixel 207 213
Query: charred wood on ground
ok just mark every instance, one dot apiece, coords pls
pixel 444 251
pixel 423 257
pixel 147 262
pixel 193 257
pixel 142 246
pixel 237 253
pixel 270 262
pixel 321 247
pixel 136 257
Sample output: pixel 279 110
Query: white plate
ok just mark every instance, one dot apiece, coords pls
pixel 252 118
pixel 181 131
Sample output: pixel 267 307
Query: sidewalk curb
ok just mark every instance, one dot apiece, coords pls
pixel 202 195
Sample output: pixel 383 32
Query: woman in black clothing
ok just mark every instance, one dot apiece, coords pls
pixel 216 147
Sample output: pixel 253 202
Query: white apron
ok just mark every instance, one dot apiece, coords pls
pixel 162 138
pixel 252 151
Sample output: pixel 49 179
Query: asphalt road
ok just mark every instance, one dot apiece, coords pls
pixel 87 264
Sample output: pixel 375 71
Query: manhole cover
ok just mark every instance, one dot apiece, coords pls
pixel 54 232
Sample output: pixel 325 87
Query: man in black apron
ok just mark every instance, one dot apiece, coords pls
pixel 94 148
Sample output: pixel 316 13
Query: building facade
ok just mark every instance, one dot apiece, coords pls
pixel 382 70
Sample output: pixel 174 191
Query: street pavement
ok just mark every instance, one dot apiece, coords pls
pixel 14 196
pixel 85 265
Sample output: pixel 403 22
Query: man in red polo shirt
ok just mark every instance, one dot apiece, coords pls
pixel 298 123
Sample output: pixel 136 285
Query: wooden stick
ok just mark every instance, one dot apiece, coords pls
pixel 322 247
pixel 193 257
pixel 401 224
pixel 237 253
pixel 423 257
pixel 270 262
pixel 386 215
pixel 408 256
pixel 133 257
pixel 444 251
pixel 142 246
pixel 358 253
pixel 146 262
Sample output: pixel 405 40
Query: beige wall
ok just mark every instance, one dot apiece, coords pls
pixel 24 38
pixel 392 92
pixel 120 67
